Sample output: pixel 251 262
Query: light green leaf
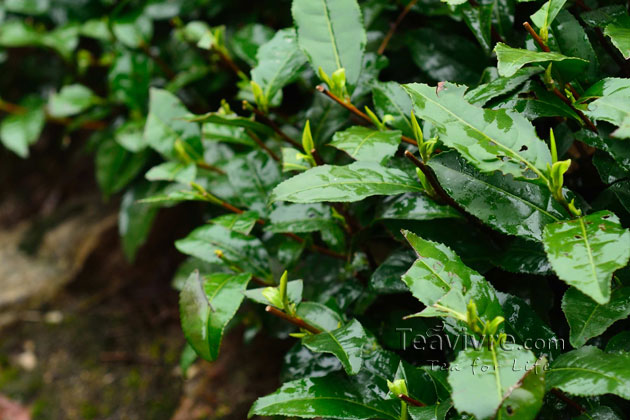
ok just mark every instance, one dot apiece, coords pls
pixel 439 277
pixel 166 127
pixel 511 59
pixel 345 342
pixel 330 397
pixel 589 371
pixel 489 139
pixel 586 251
pixel 238 222
pixel 173 171
pixel 19 131
pixel 294 160
pixel 620 37
pixel 366 144
pixel 71 100
pixel 279 63
pixel 294 292
pixel 500 86
pixel 589 319
pixel 133 29
pixel 299 218
pixel 352 182
pixel 246 252
pixel 206 305
pixel 547 13
pixel 607 100
pixel 482 378
pixel 331 34
pixel 518 208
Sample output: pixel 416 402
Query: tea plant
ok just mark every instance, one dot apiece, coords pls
pixel 430 198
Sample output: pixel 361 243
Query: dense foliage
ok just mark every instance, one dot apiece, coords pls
pixel 430 198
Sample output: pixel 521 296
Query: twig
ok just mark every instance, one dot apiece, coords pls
pixel 556 91
pixel 536 37
pixel 272 124
pixel 230 63
pixel 170 74
pixel 561 395
pixel 316 248
pixel 317 157
pixel 409 400
pixel 293 320
pixel 262 145
pixel 394 26
pixel 11 108
pixel 207 166
pixel 356 111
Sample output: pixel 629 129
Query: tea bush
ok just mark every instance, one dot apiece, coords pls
pixel 429 198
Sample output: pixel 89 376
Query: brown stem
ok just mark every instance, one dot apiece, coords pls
pixel 557 92
pixel 394 26
pixel 293 320
pixel 262 145
pixel 265 120
pixel 561 395
pixel 17 110
pixel 536 37
pixel 207 166
pixel 317 157
pixel 356 111
pixel 170 74
pixel 230 63
pixel 316 248
pixel 411 401
pixel 583 117
pixel 260 281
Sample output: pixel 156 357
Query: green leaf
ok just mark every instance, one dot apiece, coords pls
pixel 247 252
pixel 17 33
pixel 206 305
pixel 586 251
pixel 233 121
pixel 166 127
pixel 294 160
pixel 482 378
pixel 547 13
pixel 330 397
pixel 386 278
pixel 588 319
pixel 135 219
pixel 173 171
pixel 433 412
pixel 130 136
pixel 524 256
pixel 19 131
pixel 299 218
pixel 71 100
pixel 29 7
pixel 511 59
pixel 524 401
pixel 607 100
pixel 345 342
pixel 413 207
pixel 518 208
pixel 116 166
pixel 620 37
pixel 440 277
pixel 391 99
pixel 133 29
pixel 294 292
pixel 279 63
pixel 320 316
pixel 352 182
pixel 331 34
pixel 366 144
pixel 238 222
pixel 590 371
pixel 247 41
pixel 253 178
pixel 571 40
pixel 500 86
pixel 619 343
pixel 489 139
pixel 129 79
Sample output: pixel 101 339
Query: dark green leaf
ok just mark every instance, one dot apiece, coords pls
pixel 116 167
pixel 345 342
pixel 589 319
pixel 206 305
pixel 366 144
pixel 391 99
pixel 135 219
